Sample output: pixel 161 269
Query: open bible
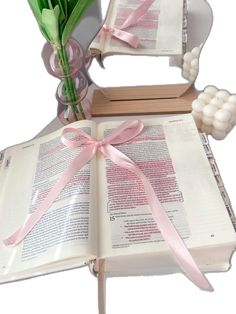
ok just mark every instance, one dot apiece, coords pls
pixel 102 213
pixel 149 27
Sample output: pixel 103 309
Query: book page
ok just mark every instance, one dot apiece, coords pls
pixel 98 44
pixel 160 29
pixel 170 154
pixel 68 228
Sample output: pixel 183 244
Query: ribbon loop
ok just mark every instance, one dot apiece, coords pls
pixel 132 19
pixel 73 143
pixel 124 133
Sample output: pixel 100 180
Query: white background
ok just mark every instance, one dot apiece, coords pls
pixel 28 104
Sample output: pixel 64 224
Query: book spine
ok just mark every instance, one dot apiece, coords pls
pixel 1 158
pixel 185 26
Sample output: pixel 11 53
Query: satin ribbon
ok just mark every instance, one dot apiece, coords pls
pixel 124 133
pixel 131 20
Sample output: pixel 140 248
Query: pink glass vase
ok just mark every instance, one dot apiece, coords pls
pixel 65 63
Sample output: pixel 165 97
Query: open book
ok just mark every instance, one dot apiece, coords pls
pixel 160 28
pixel 103 213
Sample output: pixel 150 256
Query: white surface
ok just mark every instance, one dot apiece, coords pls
pixel 28 104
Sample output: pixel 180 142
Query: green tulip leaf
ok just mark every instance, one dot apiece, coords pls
pixel 71 5
pixel 50 5
pixel 43 4
pixel 58 18
pixel 36 10
pixel 37 13
pixel 77 12
pixel 62 9
pixel 63 16
pixel 62 4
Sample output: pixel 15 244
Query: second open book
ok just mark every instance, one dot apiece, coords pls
pixel 103 213
pixel 159 27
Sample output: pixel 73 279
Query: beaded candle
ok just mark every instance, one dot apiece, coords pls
pixel 191 64
pixel 214 112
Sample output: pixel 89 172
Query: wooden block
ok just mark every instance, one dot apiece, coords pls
pixel 104 106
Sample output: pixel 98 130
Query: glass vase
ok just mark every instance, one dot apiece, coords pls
pixel 65 63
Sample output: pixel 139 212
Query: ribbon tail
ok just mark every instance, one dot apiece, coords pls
pixel 81 160
pixel 131 39
pixel 137 14
pixel 177 246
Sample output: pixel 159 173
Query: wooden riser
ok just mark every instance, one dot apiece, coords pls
pixel 124 101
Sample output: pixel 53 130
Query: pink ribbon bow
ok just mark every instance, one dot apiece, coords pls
pixel 131 20
pixel 124 133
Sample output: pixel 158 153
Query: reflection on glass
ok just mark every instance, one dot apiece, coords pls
pixel 135 71
pixel 150 42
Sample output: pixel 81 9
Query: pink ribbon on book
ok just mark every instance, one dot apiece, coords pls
pixel 131 20
pixel 124 133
